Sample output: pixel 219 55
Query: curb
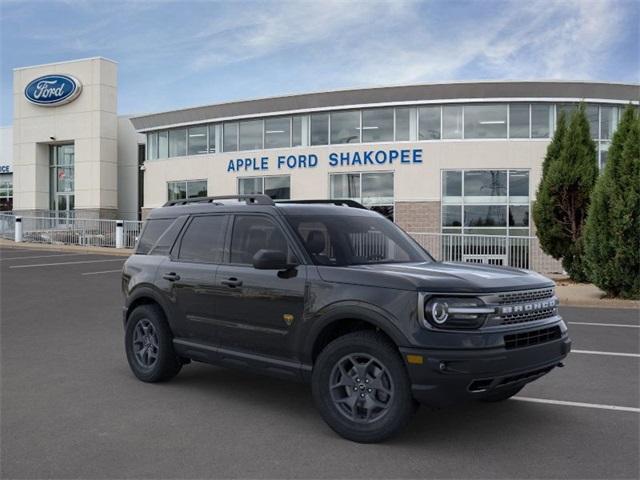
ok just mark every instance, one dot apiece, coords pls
pixel 125 252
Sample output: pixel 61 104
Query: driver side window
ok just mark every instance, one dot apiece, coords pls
pixel 252 233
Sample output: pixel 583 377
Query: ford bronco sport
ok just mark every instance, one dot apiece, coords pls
pixel 334 294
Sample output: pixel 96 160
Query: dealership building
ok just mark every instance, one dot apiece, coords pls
pixel 449 157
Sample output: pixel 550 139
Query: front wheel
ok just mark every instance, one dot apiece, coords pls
pixel 361 387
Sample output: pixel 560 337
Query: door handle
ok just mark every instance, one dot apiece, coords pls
pixel 172 276
pixel 232 282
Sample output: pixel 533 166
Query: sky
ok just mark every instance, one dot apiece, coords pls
pixel 176 54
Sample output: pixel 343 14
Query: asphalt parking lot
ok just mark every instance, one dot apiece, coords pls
pixel 70 408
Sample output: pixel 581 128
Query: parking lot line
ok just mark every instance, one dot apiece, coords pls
pixel 104 271
pixel 578 404
pixel 604 324
pixel 42 256
pixel 613 354
pixel 68 263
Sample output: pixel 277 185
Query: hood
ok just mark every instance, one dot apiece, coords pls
pixel 437 277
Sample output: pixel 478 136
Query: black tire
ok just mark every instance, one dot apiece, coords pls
pixel 163 364
pixel 348 417
pixel 501 395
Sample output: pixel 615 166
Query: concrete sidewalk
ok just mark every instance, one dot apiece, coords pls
pixel 569 293
pixel 66 248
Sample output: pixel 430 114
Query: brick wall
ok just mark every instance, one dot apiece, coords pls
pixel 418 216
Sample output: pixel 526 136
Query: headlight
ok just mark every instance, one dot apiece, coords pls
pixel 455 312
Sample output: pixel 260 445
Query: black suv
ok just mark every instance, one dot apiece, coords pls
pixel 332 293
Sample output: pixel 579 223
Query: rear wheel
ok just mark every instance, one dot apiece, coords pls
pixel 501 394
pixel 149 345
pixel 361 387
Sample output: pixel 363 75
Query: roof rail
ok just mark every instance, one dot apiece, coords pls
pixel 338 202
pixel 249 200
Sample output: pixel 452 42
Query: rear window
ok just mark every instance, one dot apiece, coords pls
pixel 204 239
pixel 152 231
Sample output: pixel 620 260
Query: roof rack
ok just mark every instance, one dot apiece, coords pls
pixel 338 202
pixel 249 200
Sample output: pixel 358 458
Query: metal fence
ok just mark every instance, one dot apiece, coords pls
pixel 519 252
pixel 7 226
pixel 71 231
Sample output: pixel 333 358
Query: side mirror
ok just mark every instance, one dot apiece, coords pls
pixel 270 260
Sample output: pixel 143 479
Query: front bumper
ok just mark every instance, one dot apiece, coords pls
pixel 447 377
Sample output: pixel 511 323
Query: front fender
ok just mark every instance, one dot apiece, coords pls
pixel 355 310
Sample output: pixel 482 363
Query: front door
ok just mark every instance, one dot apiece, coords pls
pixel 256 310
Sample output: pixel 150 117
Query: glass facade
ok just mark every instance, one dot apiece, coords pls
pixel 276 187
pixel 185 189
pixel 383 124
pixel 345 127
pixel 486 202
pixel 61 179
pixel 6 192
pixel 377 125
pixel 373 189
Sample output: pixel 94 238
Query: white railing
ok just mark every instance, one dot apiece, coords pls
pixel 519 252
pixel 132 230
pixel 7 226
pixel 72 231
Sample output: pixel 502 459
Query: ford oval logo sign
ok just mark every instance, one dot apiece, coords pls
pixel 53 90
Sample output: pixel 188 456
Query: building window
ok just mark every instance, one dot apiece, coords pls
pixel 277 132
pixel 178 142
pixel 212 138
pixel 185 189
pixel 541 120
pixel 592 112
pixel 373 189
pixel 485 202
pixel 320 129
pixel 608 122
pixel 345 127
pixel 519 120
pixel 62 176
pixel 377 125
pixel 403 124
pixel 6 192
pixel 197 140
pixel 429 123
pixel 251 135
pixel 276 187
pixel 163 144
pixel 230 137
pixel 452 121
pixel 485 121
pixel 296 131
pixel 152 146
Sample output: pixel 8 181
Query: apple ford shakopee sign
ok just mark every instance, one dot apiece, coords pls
pixel 53 90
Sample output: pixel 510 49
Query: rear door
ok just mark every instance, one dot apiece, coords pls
pixel 258 309
pixel 190 275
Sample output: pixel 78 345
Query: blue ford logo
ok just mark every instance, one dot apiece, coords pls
pixel 52 90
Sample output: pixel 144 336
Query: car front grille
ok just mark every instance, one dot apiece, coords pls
pixel 534 337
pixel 525 296
pixel 526 306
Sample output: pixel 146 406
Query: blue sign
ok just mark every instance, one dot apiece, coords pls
pixel 5 168
pixel 334 159
pixel 53 90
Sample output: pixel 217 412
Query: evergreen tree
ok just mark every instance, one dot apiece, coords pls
pixel 549 232
pixel 563 197
pixel 612 232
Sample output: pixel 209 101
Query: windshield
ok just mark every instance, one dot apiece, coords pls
pixel 342 240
